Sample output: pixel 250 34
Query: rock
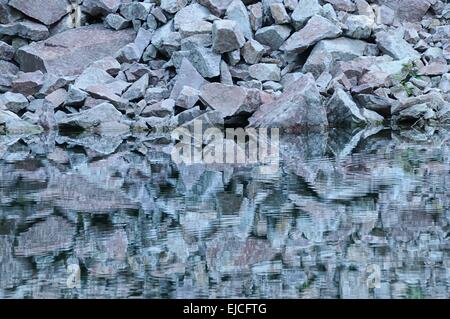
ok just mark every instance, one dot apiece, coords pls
pixel 187 76
pixel 225 74
pixel 226 99
pixel 273 36
pixel 190 14
pixel 343 5
pixel 444 84
pixel 384 15
pixel 188 97
pixel 252 51
pixel 102 92
pixel 25 29
pixel 93 117
pixel 75 96
pixel 92 76
pixel 255 15
pixel 10 123
pixel 379 104
pixel 393 44
pixel 101 7
pixel 409 10
pixel 205 61
pixel 217 7
pixel 135 10
pixel 196 27
pixel 434 68
pixel 6 51
pixel 433 100
pixel 116 21
pixel 304 11
pixel 359 26
pixel 237 12
pixel 46 11
pixel 173 6
pixel 65 53
pixel 14 102
pixel 279 13
pixel 226 36
pixel 415 112
pixel 28 83
pixel 265 72
pixel 107 64
pixel 317 28
pixel 137 90
pixel 300 105
pixel 57 97
pixel 327 52
pixel 8 72
pixel 343 111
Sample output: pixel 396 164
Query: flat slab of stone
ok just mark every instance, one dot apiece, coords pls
pixel 70 52
pixel 45 11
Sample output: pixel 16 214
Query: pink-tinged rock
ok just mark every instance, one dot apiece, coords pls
pixel 45 11
pixel 70 52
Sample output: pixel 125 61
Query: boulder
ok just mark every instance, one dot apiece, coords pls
pixel 70 52
pixel 46 11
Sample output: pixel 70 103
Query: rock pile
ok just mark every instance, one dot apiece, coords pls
pixel 141 65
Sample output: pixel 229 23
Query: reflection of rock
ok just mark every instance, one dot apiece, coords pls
pixel 47 237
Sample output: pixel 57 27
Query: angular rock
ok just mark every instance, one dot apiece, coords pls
pixel 359 26
pixel 188 97
pixel 226 99
pixel 217 7
pixel 187 76
pixel 101 7
pixel 226 36
pixel 206 62
pixel 75 96
pixel 317 28
pixel 28 83
pixel 304 11
pixel 252 51
pixel 343 111
pixel 10 123
pixel 300 105
pixel 273 36
pixel 393 44
pixel 65 53
pixel 409 10
pixel 92 76
pixel 46 11
pixel 6 51
pixel 265 72
pixel 237 12
pixel 116 21
pixel 173 6
pixel 279 14
pixel 135 10
pixel 190 14
pixel 14 102
pixel 137 90
pixel 25 29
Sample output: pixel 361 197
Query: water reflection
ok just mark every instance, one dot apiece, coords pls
pixel 350 214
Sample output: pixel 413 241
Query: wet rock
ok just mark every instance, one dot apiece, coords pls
pixel 265 72
pixel 300 105
pixel 65 53
pixel 342 110
pixel 317 28
pixel 28 83
pixel 45 11
pixel 226 36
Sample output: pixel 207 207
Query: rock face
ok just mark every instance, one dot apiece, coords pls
pixel 70 52
pixel 45 11
pixel 299 106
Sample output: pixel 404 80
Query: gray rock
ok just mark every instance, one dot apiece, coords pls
pixel 101 7
pixel 190 14
pixel 359 26
pixel 108 64
pixel 46 11
pixel 317 28
pixel 343 111
pixel 206 62
pixel 393 44
pixel 89 119
pixel 409 10
pixel 6 51
pixel 28 83
pixel 226 36
pixel 187 76
pixel 273 36
pixel 92 76
pixel 265 72
pixel 255 14
pixel 226 99
pixel 137 90
pixel 234 57
pixel 25 29
pixel 8 72
pixel 444 84
pixel 75 96
pixel 384 15
pixel 156 94
pixel 300 105
pixel 217 7
pixel 225 74
pixel 237 12
pixel 279 13
pixel 103 92
pixel 188 97
pixel 252 51
pixel 116 21
pixel 65 53
pixel 342 5
pixel 304 11
pixel 135 10
pixel 173 6
pixel 14 102
pixel 10 123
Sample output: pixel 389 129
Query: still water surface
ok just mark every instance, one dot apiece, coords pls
pixel 362 214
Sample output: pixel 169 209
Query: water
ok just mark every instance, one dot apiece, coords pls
pixel 362 214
